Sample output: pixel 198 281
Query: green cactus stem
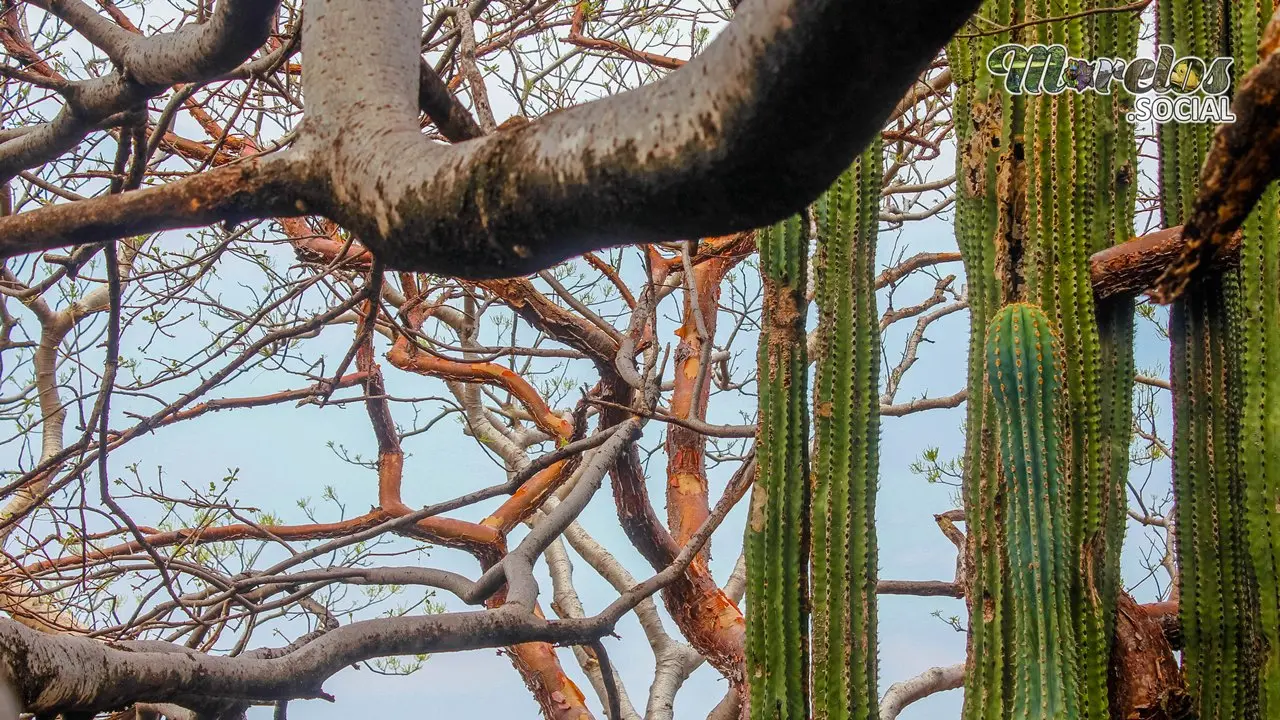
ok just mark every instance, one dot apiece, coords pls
pixel 1046 181
pixel 988 171
pixel 1217 591
pixel 1024 376
pixel 1259 343
pixel 847 438
pixel 777 542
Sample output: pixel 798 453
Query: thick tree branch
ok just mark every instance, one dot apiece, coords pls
pixel 1132 268
pixel 691 143
pixel 63 673
pixel 746 133
pixel 230 193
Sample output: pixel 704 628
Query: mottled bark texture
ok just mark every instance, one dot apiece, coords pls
pixel 1145 681
pixel 745 134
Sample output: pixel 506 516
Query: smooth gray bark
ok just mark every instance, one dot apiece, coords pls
pixel 745 134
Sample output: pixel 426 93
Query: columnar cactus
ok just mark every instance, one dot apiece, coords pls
pixel 1259 344
pixel 1218 597
pixel 777 543
pixel 1111 222
pixel 847 429
pixel 1046 180
pixel 1024 377
pixel 985 170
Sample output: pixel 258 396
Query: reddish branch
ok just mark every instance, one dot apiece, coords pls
pixel 687 502
pixel 578 38
pixel 414 359
pixel 537 663
pixel 709 620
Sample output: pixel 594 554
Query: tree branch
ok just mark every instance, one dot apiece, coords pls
pixel 746 133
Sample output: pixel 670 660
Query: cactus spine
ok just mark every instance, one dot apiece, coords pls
pixel 1046 181
pixel 777 543
pixel 1259 450
pixel 1217 603
pixel 1024 378
pixel 847 437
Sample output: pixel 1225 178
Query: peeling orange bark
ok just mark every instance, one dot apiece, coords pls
pixel 527 498
pixel 556 694
pixel 708 619
pixel 687 502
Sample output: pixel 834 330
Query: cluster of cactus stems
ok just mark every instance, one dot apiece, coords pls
pixel 847 437
pixel 1025 380
pixel 1046 181
pixel 840 511
pixel 777 538
pixel 1218 593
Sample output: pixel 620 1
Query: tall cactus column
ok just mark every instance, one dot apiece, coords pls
pixel 777 543
pixel 1111 223
pixel 1046 181
pixel 1217 602
pixel 1079 201
pixel 1260 378
pixel 847 429
pixel 990 176
pixel 1218 596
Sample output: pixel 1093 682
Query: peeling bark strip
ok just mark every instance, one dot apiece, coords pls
pixel 687 503
pixel 745 134
pixel 1145 682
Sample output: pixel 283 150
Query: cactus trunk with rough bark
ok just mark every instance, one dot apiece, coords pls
pixel 986 181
